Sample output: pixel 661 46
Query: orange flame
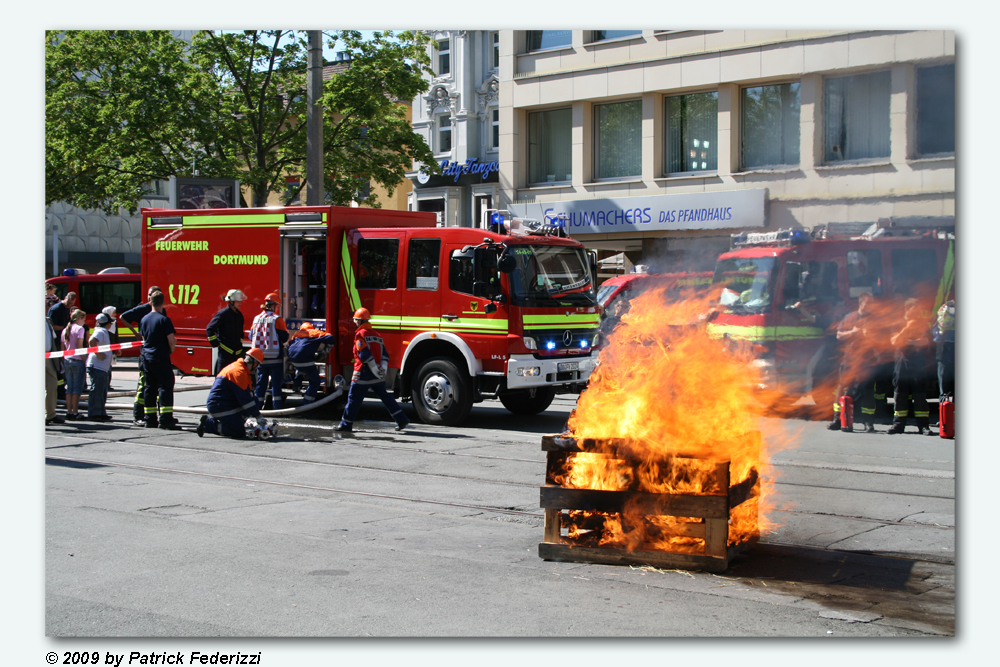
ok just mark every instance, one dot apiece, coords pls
pixel 682 405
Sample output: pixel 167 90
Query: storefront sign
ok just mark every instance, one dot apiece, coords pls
pixel 471 166
pixel 696 210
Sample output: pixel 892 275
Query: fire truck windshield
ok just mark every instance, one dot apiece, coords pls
pixel 745 282
pixel 548 276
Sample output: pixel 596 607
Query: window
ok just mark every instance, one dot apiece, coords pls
pixel 548 39
pixel 444 133
pixel 619 139
pixel 461 272
pixel 495 51
pixel 864 272
pixel 157 190
pixel 810 282
pixel 444 57
pixel 292 191
pixel 496 129
pixel 936 110
pixel 94 297
pixel 692 132
pixel 857 117
pixel 364 188
pixel 770 125
pixel 746 282
pixel 549 146
pixel 601 35
pixel 914 272
pixel 377 263
pixel 422 264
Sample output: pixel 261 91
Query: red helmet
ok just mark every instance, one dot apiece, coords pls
pixel 272 298
pixel 256 353
pixel 362 314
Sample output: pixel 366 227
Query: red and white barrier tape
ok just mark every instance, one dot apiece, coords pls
pixel 88 350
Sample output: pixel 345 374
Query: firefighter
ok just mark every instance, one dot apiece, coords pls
pixel 302 348
pixel 852 329
pixel 134 317
pixel 912 344
pixel 158 343
pixel 371 360
pixel 231 400
pixel 944 343
pixel 269 334
pixel 225 330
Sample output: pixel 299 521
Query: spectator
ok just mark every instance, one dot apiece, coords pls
pixel 50 297
pixel 99 371
pixel 73 337
pixel 112 330
pixel 944 343
pixel 52 369
pixel 60 311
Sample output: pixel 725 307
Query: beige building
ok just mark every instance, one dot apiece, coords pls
pixel 662 143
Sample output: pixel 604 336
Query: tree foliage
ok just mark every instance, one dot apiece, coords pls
pixel 125 108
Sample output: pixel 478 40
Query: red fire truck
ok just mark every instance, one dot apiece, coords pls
pixel 466 314
pixel 631 284
pixel 111 287
pixel 766 273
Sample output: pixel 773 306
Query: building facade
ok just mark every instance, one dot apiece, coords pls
pixel 459 117
pixel 660 144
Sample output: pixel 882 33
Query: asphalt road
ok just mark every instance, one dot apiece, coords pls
pixel 434 533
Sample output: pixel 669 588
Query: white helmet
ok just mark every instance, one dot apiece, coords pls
pixel 235 295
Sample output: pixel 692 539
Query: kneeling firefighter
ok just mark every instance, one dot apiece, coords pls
pixel 371 361
pixel 230 401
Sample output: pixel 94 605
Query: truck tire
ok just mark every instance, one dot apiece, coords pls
pixel 441 392
pixel 529 401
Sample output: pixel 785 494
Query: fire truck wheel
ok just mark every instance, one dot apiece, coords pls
pixel 441 393
pixel 528 401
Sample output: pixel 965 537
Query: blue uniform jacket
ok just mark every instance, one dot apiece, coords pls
pixel 302 350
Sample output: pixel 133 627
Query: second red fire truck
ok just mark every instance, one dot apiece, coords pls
pixel 466 314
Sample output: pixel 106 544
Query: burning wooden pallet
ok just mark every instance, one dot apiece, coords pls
pixel 702 530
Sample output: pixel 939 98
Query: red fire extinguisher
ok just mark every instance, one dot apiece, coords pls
pixel 846 413
pixel 946 418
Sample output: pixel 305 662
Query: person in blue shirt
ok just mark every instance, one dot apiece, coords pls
pixel 133 316
pixel 302 349
pixel 158 343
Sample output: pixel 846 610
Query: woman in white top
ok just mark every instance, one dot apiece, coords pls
pixel 99 371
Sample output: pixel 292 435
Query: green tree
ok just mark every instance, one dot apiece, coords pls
pixel 124 108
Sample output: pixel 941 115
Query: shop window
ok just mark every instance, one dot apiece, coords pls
pixel 461 272
pixel 548 39
pixel 549 146
pixel 444 57
pixel 601 35
pixel 857 116
pixel 864 272
pixel 936 110
pixel 422 264
pixel 444 133
pixel 770 125
pixel 378 261
pixel 619 139
pixel 692 133
pixel 94 297
pixel 495 115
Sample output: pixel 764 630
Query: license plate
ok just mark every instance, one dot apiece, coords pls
pixel 569 366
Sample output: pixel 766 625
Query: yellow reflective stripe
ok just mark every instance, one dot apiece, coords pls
pixel 348 272
pixel 763 333
pixel 234 220
pixel 226 349
pixel 573 320
pixel 430 323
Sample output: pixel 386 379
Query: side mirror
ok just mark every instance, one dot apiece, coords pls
pixel 490 308
pixel 506 263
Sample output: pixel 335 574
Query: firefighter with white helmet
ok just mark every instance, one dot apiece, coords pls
pixel 269 334
pixel 231 403
pixel 371 362
pixel 225 330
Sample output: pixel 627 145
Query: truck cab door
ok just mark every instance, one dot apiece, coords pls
pixel 422 292
pixel 378 283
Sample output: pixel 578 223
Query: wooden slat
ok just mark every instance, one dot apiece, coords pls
pixel 716 535
pixel 709 507
pixel 566 553
pixel 553 525
pixel 748 488
pixel 614 447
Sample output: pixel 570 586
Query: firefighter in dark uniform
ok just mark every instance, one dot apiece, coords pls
pixel 855 381
pixel 371 360
pixel 302 348
pixel 225 331
pixel 158 343
pixel 231 400
pixel 912 344
pixel 134 317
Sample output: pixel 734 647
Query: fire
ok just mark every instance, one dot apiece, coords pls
pixel 682 406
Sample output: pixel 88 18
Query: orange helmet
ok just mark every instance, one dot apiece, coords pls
pixel 272 298
pixel 362 314
pixel 306 326
pixel 256 353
